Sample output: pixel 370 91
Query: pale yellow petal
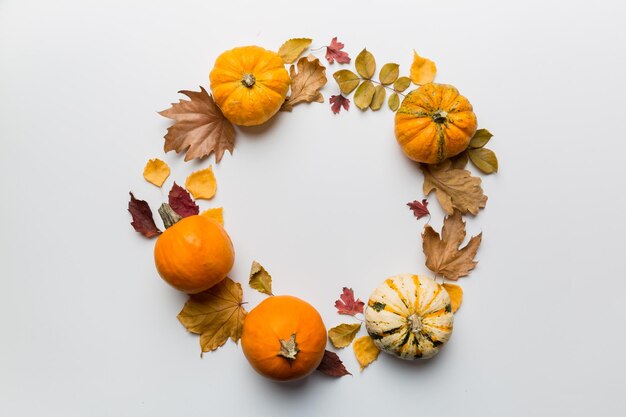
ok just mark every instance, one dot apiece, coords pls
pixel 202 184
pixel 156 172
pixel 423 70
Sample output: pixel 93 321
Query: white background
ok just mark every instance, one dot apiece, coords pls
pixel 89 329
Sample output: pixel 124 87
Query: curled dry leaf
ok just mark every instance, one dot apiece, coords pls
pixel 260 279
pixel 334 52
pixel 455 188
pixel 342 335
pixel 331 365
pixel 216 213
pixel 156 172
pixel 202 183
pixel 337 102
pixel 215 314
pixel 379 98
pixel 143 221
pixel 423 70
pixel 389 73
pixel 419 209
pixel 456 296
pixel 347 304
pixel 366 351
pixel 364 94
pixel 200 128
pixel 347 80
pixel 181 202
pixel 443 255
pixel 306 83
pixel 365 64
pixel 293 48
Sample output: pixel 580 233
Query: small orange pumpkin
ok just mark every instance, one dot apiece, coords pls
pixel 194 254
pixel 434 123
pixel 249 84
pixel 284 338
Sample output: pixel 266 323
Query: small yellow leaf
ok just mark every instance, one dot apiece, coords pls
pixel 379 98
pixel 456 296
pixel 389 73
pixel 260 279
pixel 216 214
pixel 364 94
pixel 365 350
pixel 480 138
pixel 423 70
pixel 293 48
pixel 365 64
pixel 202 184
pixel 402 84
pixel 156 172
pixel 342 335
pixel 484 159
pixel 347 80
pixel 394 102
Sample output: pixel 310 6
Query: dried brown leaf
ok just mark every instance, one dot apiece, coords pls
pixel 455 188
pixel 443 255
pixel 215 314
pixel 199 127
pixel 306 83
pixel 342 335
pixel 260 279
pixel 293 48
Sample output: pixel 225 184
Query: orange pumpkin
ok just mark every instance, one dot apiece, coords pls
pixel 249 84
pixel 434 123
pixel 284 338
pixel 194 254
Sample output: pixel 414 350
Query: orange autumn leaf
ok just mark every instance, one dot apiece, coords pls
pixel 202 184
pixel 366 351
pixel 456 296
pixel 156 172
pixel 216 213
pixel 423 70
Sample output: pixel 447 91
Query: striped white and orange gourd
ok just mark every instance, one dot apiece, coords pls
pixel 409 316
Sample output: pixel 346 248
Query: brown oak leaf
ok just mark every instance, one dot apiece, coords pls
pixel 334 52
pixel 339 101
pixel 443 255
pixel 455 188
pixel 331 365
pixel 200 128
pixel 215 314
pixel 346 303
pixel 181 202
pixel 143 221
pixel 419 209
pixel 306 83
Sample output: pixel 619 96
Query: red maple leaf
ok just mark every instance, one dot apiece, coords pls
pixel 331 365
pixel 181 202
pixel 419 209
pixel 334 52
pixel 337 102
pixel 143 222
pixel 346 303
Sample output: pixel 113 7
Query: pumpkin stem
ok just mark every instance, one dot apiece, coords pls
pixel 248 80
pixel 440 116
pixel 168 215
pixel 289 348
pixel 415 323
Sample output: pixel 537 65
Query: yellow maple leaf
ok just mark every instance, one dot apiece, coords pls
pixel 366 351
pixel 423 70
pixel 456 296
pixel 216 213
pixel 156 172
pixel 202 184
pixel 215 314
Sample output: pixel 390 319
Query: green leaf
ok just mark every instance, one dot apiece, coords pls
pixel 402 84
pixel 365 64
pixel 480 138
pixel 394 102
pixel 347 80
pixel 291 50
pixel 379 98
pixel 484 159
pixel 460 161
pixel 364 94
pixel 389 73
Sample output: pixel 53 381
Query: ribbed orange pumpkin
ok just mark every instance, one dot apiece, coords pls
pixel 284 338
pixel 434 123
pixel 194 254
pixel 249 84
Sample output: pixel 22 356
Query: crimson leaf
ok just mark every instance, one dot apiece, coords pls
pixel 346 303
pixel 331 365
pixel 143 222
pixel 419 209
pixel 181 202
pixel 334 52
pixel 337 102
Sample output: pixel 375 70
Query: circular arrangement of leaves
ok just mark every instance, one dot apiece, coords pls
pixel 409 316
